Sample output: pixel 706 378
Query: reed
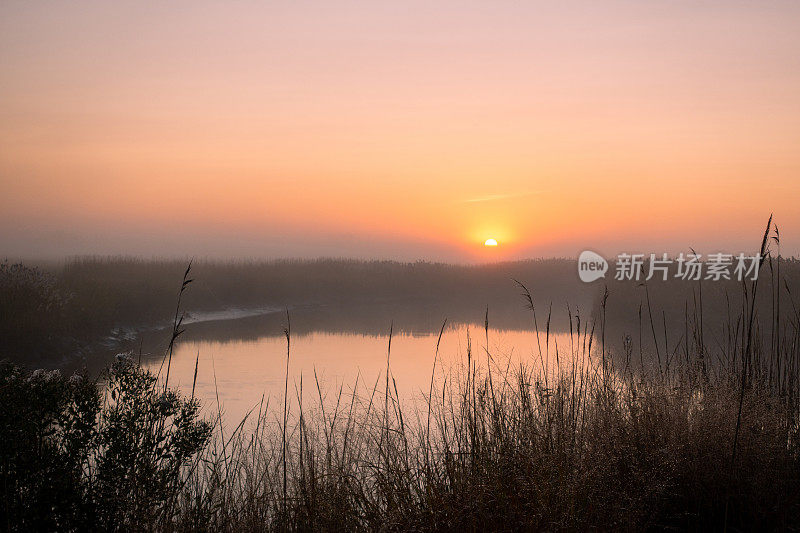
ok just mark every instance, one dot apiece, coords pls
pixel 582 440
pixel 586 442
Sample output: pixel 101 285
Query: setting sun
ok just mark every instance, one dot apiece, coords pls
pixel 490 242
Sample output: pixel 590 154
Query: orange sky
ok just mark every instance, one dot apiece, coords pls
pixel 397 129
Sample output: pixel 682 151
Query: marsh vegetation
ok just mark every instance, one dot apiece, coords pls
pixel 703 434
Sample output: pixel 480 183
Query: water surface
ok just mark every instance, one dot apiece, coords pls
pixel 238 370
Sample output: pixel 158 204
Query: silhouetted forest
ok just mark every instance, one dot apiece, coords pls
pixel 57 309
pixel 52 312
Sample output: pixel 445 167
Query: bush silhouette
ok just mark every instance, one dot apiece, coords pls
pixel 77 456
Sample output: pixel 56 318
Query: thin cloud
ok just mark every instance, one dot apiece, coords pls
pixel 497 197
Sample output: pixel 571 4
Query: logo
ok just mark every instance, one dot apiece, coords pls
pixel 591 266
pixel 636 267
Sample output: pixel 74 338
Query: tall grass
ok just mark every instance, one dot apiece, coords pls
pixel 583 444
pixel 597 448
pixel 573 437
pixel 590 442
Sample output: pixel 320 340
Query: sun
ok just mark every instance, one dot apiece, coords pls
pixel 490 242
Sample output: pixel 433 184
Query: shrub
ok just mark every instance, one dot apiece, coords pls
pixel 47 435
pixel 72 459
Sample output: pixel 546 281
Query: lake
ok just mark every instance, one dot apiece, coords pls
pixel 243 358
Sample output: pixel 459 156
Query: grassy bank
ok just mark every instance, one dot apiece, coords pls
pixel 702 435
pixel 589 446
pixel 585 443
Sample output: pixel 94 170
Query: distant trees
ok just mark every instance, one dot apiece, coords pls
pixel 32 311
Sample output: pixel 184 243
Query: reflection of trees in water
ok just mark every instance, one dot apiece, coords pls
pixel 335 297
pixel 418 318
pixel 326 295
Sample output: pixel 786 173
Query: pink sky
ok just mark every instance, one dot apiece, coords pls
pixel 397 129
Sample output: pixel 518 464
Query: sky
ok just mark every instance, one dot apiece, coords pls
pixel 397 130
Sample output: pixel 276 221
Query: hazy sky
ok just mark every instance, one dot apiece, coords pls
pixel 397 129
